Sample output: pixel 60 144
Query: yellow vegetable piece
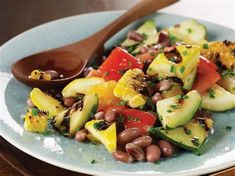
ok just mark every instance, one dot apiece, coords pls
pixel 40 75
pixel 80 86
pixel 35 123
pixel 128 88
pixel 45 102
pixel 107 137
pixel 105 93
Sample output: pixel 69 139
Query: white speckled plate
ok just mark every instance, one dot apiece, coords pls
pixel 67 153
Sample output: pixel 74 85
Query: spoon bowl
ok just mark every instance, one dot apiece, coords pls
pixel 71 60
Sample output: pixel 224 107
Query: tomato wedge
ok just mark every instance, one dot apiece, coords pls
pixel 206 76
pixel 140 119
pixel 118 62
pixel 212 64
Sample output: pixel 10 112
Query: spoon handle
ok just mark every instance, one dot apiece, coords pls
pixel 145 7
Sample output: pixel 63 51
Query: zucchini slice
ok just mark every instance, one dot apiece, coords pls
pixel 218 99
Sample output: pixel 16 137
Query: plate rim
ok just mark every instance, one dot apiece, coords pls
pixel 82 169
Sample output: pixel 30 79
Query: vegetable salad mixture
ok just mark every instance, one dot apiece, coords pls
pixel 151 97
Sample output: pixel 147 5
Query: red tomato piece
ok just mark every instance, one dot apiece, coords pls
pixel 118 62
pixel 140 119
pixel 206 76
pixel 118 108
pixel 212 64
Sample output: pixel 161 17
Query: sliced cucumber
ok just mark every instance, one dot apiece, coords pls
pixel 68 122
pixel 80 86
pixel 148 29
pixel 218 99
pixel 191 32
pixel 190 136
pixel 228 83
pixel 174 112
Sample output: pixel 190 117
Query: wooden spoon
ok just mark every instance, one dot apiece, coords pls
pixel 70 60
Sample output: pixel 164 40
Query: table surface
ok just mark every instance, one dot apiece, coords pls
pixel 17 16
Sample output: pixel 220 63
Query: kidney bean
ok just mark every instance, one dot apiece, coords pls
pixel 164 85
pixel 133 35
pixel 128 135
pixel 122 156
pixel 143 50
pixel 99 115
pixel 111 115
pixel 30 103
pixel 135 151
pixel 81 135
pixel 166 148
pixel 142 141
pixel 156 97
pixel 69 101
pixel 54 74
pixel 153 153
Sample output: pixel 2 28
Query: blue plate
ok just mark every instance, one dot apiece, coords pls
pixel 69 154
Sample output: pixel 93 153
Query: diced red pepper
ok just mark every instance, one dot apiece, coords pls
pixel 140 119
pixel 118 62
pixel 206 76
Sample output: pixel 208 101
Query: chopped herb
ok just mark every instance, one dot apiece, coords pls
pixel 185 97
pixel 106 73
pixel 149 69
pixel 156 162
pixel 145 36
pixel 122 103
pixel 120 120
pixel 205 46
pixel 152 130
pixel 172 68
pixel 169 111
pixel 122 72
pixel 93 161
pixel 195 141
pixel 35 111
pixel 185 53
pixel 178 97
pixel 187 131
pixel 189 30
pixel 227 73
pixel 182 69
pixel 211 93
pixel 142 107
pixel 172 39
pixel 46 132
pixel 160 117
pixel 228 128
pixel 175 106
pixel 130 49
pixel 102 125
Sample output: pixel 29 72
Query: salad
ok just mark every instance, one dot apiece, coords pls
pixel 152 96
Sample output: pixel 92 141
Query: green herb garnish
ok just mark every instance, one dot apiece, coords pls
pixel 122 72
pixel 205 46
pixel 130 49
pixel 175 106
pixel 93 161
pixel 145 36
pixel 211 93
pixel 172 39
pixel 187 131
pixel 189 30
pixel 184 52
pixel 228 128
pixel 35 111
pixel 152 130
pixel 169 111
pixel 172 68
pixel 182 69
pixel 122 103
